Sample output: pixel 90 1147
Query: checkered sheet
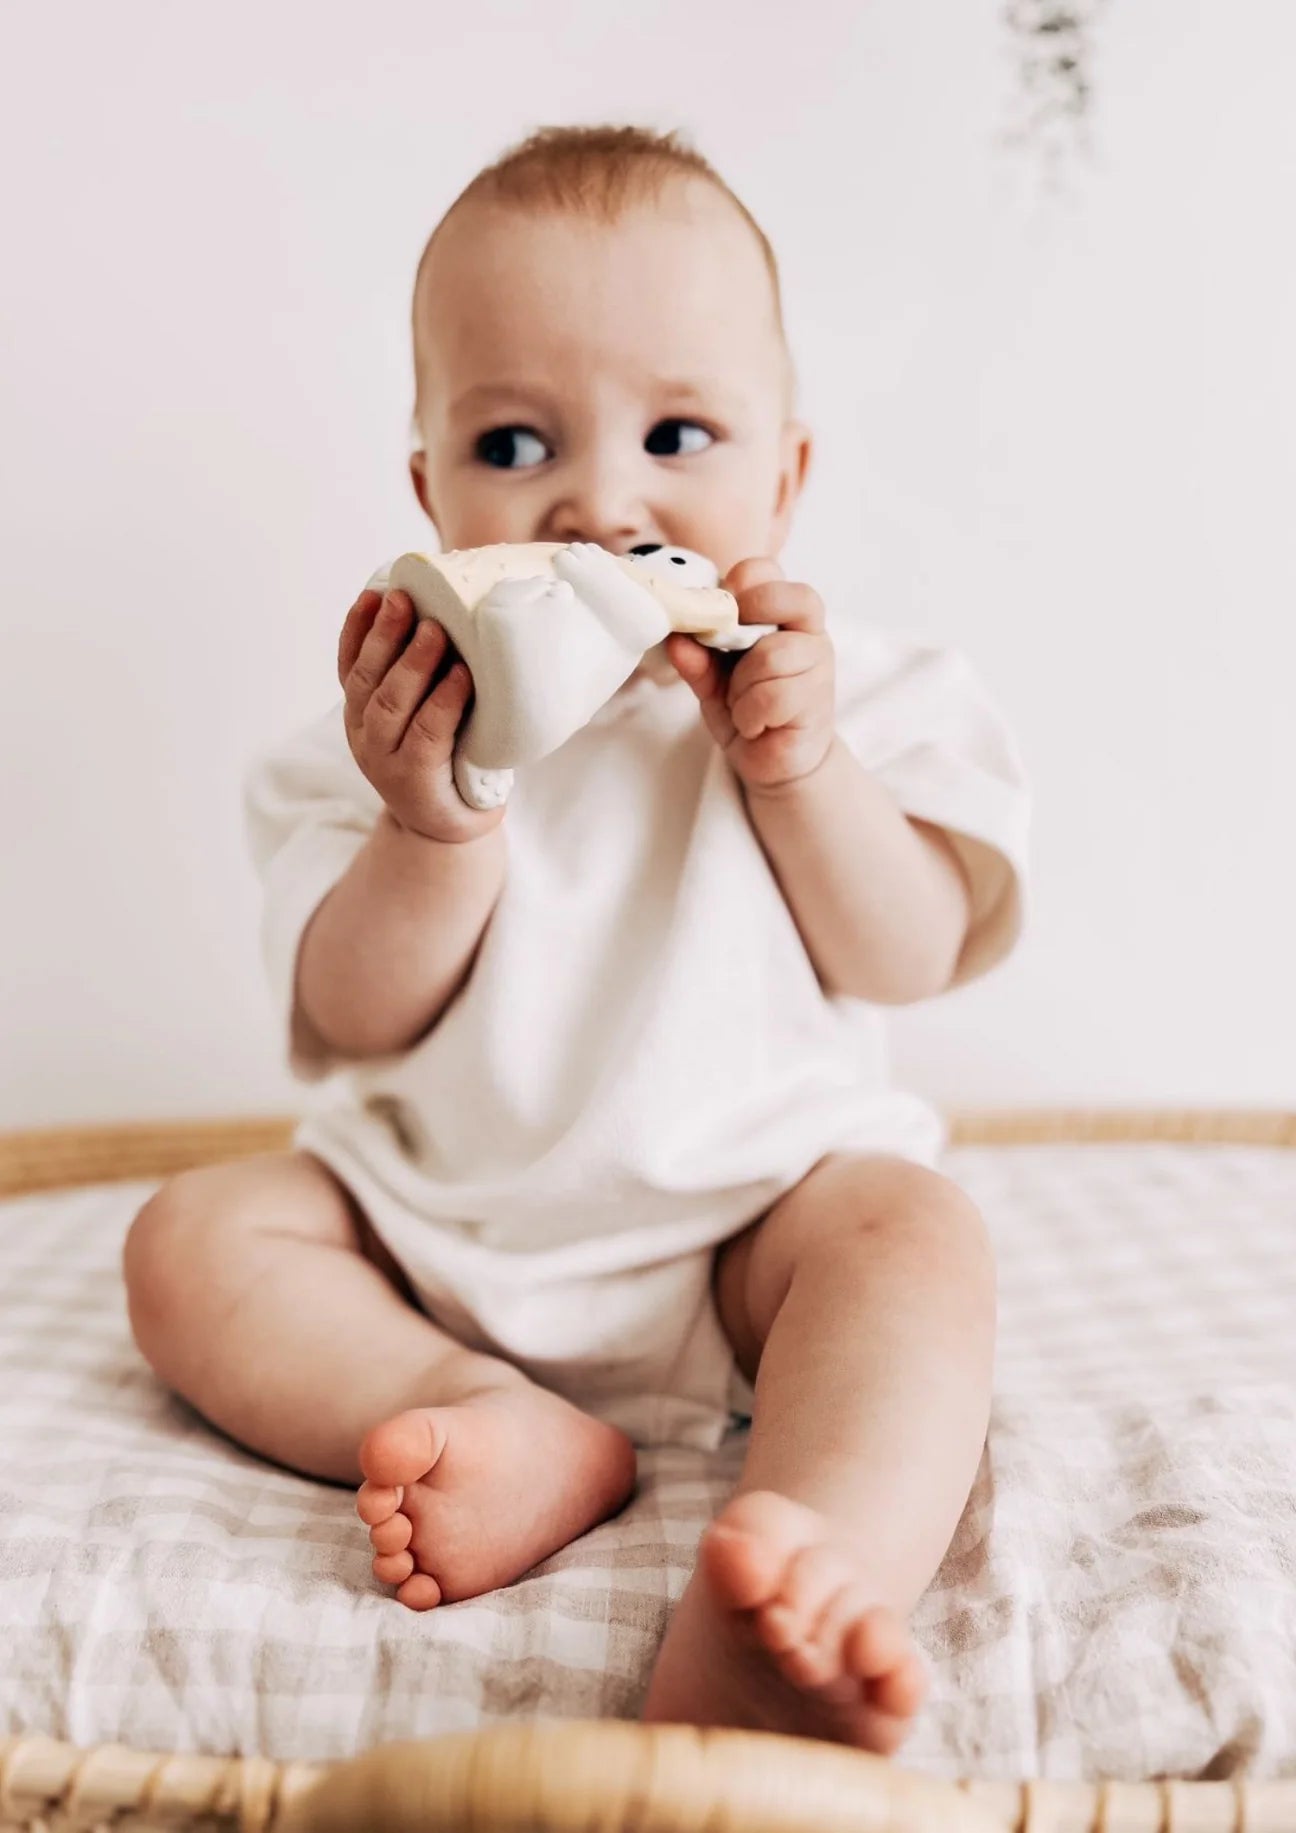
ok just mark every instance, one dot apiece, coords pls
pixel 1120 1597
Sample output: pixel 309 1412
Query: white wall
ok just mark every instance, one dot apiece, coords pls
pixel 1060 434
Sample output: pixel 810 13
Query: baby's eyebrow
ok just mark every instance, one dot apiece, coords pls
pixel 484 395
pixel 710 395
pixel 678 393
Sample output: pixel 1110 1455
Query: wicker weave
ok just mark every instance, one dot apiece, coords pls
pixel 602 1777
pixel 595 1778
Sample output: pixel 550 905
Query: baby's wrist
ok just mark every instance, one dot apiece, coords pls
pixel 787 788
pixel 405 838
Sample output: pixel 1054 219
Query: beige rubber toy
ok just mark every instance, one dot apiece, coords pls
pixel 551 631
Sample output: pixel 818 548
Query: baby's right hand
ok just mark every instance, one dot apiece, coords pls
pixel 406 692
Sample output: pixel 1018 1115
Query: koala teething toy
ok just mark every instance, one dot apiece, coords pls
pixel 550 632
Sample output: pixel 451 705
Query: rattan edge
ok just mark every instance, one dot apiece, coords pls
pixel 571 1776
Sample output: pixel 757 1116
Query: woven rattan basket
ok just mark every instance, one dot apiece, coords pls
pixel 603 1777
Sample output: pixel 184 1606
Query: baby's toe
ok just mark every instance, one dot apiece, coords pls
pixel 743 1569
pixel 877 1643
pixel 809 1580
pixel 902 1691
pixel 377 1502
pixel 393 1568
pixel 886 1734
pixel 821 1658
pixel 392 1535
pixel 419 1592
pixel 402 1449
pixel 878 1651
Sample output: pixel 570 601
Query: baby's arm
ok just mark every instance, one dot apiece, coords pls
pixel 392 942
pixel 881 901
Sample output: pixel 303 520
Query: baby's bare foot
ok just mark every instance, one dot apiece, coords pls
pixel 461 1499
pixel 778 1631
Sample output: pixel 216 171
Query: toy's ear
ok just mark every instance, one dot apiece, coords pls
pixel 419 479
pixel 796 450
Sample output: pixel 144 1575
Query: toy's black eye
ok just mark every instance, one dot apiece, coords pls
pixel 691 569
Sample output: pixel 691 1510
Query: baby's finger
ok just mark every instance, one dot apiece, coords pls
pixel 784 653
pixel 431 734
pixel 787 701
pixel 355 628
pixel 784 602
pixel 378 651
pixel 397 697
pixel 747 573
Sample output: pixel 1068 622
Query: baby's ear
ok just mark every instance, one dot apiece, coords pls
pixel 418 477
pixel 796 447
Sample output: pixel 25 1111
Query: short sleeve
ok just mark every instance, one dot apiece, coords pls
pixel 920 720
pixel 308 811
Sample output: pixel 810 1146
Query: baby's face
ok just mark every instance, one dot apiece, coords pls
pixel 619 383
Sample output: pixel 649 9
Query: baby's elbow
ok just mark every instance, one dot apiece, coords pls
pixel 913 991
pixel 906 978
pixel 935 975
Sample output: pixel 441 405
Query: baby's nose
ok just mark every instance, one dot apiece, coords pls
pixel 618 538
pixel 602 505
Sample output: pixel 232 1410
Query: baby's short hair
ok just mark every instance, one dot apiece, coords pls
pixel 596 172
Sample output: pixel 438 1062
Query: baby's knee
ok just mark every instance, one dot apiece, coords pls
pixel 163 1254
pixel 928 1210
pixel 886 1198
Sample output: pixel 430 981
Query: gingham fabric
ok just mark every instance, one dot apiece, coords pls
pixel 1120 1598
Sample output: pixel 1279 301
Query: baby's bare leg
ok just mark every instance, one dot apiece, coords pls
pixel 863 1305
pixel 258 1293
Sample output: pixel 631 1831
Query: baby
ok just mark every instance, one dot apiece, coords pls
pixel 610 1137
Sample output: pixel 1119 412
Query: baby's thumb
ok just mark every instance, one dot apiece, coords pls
pixel 757 571
pixel 694 664
pixel 705 673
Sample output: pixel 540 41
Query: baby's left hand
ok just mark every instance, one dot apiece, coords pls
pixel 772 709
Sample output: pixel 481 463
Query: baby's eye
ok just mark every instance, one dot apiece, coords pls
pixel 677 438
pixel 511 448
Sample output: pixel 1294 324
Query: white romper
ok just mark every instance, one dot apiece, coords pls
pixel 642 1060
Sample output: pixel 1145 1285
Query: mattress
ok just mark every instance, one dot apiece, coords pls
pixel 1119 1599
